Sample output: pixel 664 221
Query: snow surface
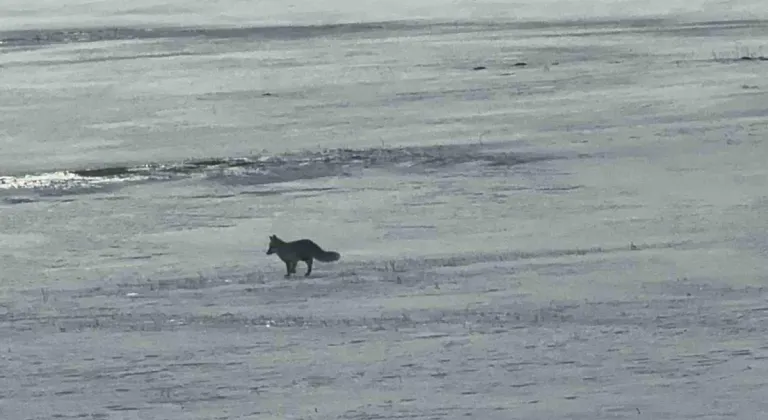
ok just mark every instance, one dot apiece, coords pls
pixel 17 14
pixel 592 247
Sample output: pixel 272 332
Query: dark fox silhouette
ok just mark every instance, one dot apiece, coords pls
pixel 302 250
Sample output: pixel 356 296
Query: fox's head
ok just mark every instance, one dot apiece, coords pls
pixel 274 243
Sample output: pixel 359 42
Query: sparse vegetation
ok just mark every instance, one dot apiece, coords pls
pixel 349 276
pixel 740 54
pixel 390 266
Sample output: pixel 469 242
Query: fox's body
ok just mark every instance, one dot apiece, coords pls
pixel 302 250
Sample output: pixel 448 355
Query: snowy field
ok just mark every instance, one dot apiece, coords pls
pixel 539 217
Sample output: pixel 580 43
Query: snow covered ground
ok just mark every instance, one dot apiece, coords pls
pixel 582 237
pixel 16 14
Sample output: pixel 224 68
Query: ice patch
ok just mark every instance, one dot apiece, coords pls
pixel 61 181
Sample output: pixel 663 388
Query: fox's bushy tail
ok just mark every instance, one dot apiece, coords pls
pixel 327 256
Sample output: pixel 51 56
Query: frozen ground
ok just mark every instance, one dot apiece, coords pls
pixel 582 237
pixel 20 14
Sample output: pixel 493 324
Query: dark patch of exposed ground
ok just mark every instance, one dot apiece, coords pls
pixel 256 170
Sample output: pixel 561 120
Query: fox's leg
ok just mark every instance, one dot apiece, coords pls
pixel 293 266
pixel 309 267
pixel 288 269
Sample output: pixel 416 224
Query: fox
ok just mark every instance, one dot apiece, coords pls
pixel 302 250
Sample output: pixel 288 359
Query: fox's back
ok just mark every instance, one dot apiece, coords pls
pixel 301 249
